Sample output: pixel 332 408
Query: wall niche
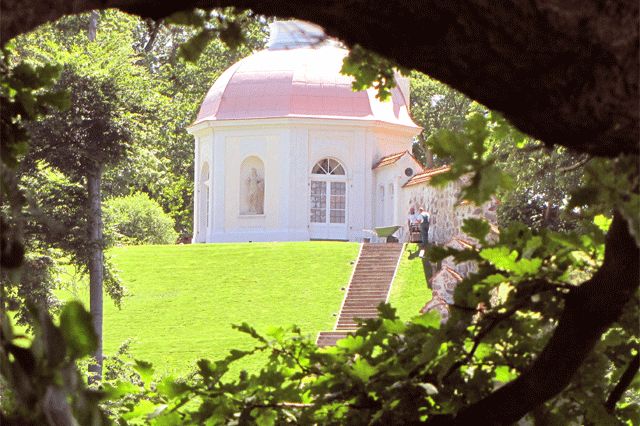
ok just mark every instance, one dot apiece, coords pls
pixel 251 187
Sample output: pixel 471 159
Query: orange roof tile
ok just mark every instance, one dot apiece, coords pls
pixel 389 159
pixel 465 243
pixel 426 175
pixel 453 272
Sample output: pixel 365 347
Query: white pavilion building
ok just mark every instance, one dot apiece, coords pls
pixel 286 151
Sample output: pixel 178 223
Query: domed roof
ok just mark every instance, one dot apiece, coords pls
pixel 297 80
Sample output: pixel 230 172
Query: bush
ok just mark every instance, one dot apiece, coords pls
pixel 137 219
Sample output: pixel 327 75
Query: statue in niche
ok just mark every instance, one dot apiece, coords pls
pixel 255 194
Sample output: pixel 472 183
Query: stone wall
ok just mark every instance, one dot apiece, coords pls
pixel 447 217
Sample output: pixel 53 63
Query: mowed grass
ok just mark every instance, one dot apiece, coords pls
pixel 183 299
pixel 409 291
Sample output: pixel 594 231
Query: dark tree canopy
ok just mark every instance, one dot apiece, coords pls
pixel 564 72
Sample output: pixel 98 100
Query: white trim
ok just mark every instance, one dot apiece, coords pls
pixel 346 291
pixel 376 125
pixel 393 278
pixel 259 235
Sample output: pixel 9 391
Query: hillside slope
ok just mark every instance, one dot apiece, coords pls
pixel 183 299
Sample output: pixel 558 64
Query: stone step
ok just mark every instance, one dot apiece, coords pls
pixel 329 338
pixel 359 313
pixel 369 298
pixel 369 286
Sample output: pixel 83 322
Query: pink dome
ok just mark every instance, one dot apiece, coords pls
pixel 299 82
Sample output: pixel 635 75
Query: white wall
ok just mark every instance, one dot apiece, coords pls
pixel 288 149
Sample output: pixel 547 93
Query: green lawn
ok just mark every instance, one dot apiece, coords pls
pixel 183 299
pixel 409 292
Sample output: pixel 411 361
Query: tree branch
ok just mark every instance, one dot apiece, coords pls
pixel 623 383
pixel 568 73
pixel 153 27
pixel 575 166
pixel 589 310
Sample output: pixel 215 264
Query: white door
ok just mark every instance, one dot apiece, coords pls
pixel 328 202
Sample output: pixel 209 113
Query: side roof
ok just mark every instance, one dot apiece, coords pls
pixel 426 175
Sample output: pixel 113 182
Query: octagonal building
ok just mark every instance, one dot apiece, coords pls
pixel 286 151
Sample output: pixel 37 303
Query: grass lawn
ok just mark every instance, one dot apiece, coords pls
pixel 409 292
pixel 183 299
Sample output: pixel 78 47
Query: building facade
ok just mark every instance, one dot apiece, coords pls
pixel 285 150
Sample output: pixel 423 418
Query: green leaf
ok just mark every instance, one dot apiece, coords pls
pixel 532 245
pixel 504 374
pixel 387 311
pixel 77 330
pixel 142 409
pixel 266 418
pixel 505 260
pixel 482 351
pixel 602 222
pixel 362 369
pixel 494 279
pixel 120 389
pixel 192 49
pixel 171 388
pixel 51 337
pixel 277 333
pixel 351 343
pixel 476 228
pixel 429 319
pixel 145 370
pixel 246 328
pixel 394 326
pixel 501 257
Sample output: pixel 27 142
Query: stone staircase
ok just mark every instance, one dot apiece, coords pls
pixel 369 286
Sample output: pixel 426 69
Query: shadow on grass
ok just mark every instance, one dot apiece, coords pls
pixel 426 265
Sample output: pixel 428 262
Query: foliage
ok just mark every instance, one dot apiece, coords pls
pixel 21 93
pixel 20 289
pixel 435 106
pixel 388 372
pixel 137 219
pixel 370 70
pixel 473 160
pixel 46 387
pixel 395 372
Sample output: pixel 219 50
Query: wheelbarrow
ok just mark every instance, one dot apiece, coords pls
pixel 387 232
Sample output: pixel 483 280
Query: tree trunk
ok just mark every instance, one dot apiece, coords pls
pixel 93 25
pixel 96 265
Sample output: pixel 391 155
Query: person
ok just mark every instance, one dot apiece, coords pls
pixel 413 218
pixel 413 223
pixel 424 226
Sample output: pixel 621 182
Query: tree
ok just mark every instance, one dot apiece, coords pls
pixel 435 106
pixel 137 219
pixel 80 142
pixel 577 86
pixel 574 86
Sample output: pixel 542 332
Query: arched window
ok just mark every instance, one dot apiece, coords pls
pixel 328 166
pixel 328 200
